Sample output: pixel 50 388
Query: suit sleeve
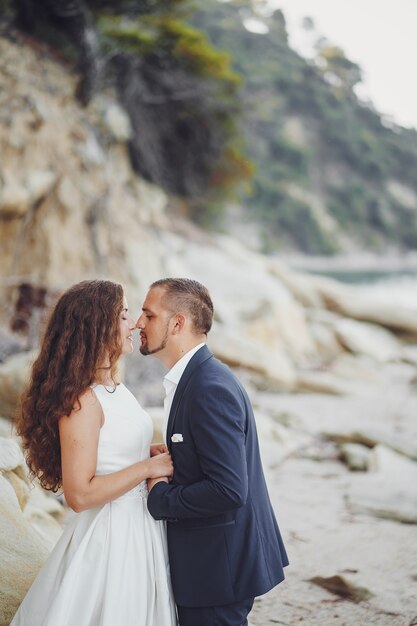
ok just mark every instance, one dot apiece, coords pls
pixel 218 429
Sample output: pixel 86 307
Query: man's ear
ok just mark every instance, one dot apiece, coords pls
pixel 179 323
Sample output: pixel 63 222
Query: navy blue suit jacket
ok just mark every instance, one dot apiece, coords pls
pixel 223 539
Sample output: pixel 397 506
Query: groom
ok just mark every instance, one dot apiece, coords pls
pixel 224 544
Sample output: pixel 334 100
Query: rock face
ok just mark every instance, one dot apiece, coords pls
pixel 70 205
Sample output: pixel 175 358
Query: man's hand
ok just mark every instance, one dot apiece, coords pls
pixel 152 482
pixel 158 448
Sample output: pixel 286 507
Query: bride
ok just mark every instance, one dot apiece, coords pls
pixel 86 433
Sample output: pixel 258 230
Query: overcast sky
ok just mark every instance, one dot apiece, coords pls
pixel 379 35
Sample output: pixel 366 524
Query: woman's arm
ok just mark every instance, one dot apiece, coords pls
pixel 79 435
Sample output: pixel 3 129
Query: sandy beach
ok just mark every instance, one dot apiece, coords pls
pixel 323 536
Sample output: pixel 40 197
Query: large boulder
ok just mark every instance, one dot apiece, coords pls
pixel 12 467
pixel 385 496
pixel 6 428
pixel 380 440
pixel 388 490
pixel 22 553
pixel 28 529
pixel 236 350
pixel 357 302
pixel 368 339
pixel 382 458
pixel 405 446
pixel 323 382
pixel 356 456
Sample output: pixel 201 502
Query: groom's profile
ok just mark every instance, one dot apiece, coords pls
pixel 224 544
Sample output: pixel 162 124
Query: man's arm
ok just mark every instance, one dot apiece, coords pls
pixel 218 429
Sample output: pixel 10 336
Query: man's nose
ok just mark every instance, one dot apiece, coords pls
pixel 139 323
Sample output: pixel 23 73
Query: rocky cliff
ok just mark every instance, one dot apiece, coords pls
pixel 70 205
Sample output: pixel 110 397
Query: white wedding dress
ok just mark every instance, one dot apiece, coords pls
pixel 110 566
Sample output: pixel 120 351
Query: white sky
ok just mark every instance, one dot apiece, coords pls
pixel 379 35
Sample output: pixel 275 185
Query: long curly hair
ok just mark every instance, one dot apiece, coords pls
pixel 81 338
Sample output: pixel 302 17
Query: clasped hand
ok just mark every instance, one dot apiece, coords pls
pixel 162 467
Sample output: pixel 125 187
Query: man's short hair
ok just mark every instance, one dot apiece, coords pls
pixel 190 296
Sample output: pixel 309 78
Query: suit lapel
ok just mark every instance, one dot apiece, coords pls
pixel 197 359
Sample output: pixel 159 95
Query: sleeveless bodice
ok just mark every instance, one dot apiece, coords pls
pixel 126 434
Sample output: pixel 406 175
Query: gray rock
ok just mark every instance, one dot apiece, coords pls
pixel 91 152
pixel 368 339
pixel 323 382
pixel 6 427
pixel 370 437
pixel 18 194
pixel 403 445
pixel 118 123
pixel 10 344
pixel 237 350
pixel 14 196
pixel 39 184
pixel 357 303
pixel 356 456
pixel 388 497
pixel 10 454
pixel 384 459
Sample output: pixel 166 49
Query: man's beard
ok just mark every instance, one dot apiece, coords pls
pixel 145 349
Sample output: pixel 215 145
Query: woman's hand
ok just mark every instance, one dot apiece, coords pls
pixel 161 465
pixel 158 448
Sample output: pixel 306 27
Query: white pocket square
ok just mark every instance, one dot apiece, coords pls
pixel 177 438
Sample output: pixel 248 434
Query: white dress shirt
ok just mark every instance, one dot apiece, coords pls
pixel 171 380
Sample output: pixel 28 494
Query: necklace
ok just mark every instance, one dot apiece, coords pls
pixel 109 386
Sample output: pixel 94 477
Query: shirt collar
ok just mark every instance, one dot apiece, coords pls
pixel 177 370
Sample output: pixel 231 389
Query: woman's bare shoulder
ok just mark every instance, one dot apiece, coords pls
pixel 87 404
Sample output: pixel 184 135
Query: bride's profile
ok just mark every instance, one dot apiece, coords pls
pixel 85 433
